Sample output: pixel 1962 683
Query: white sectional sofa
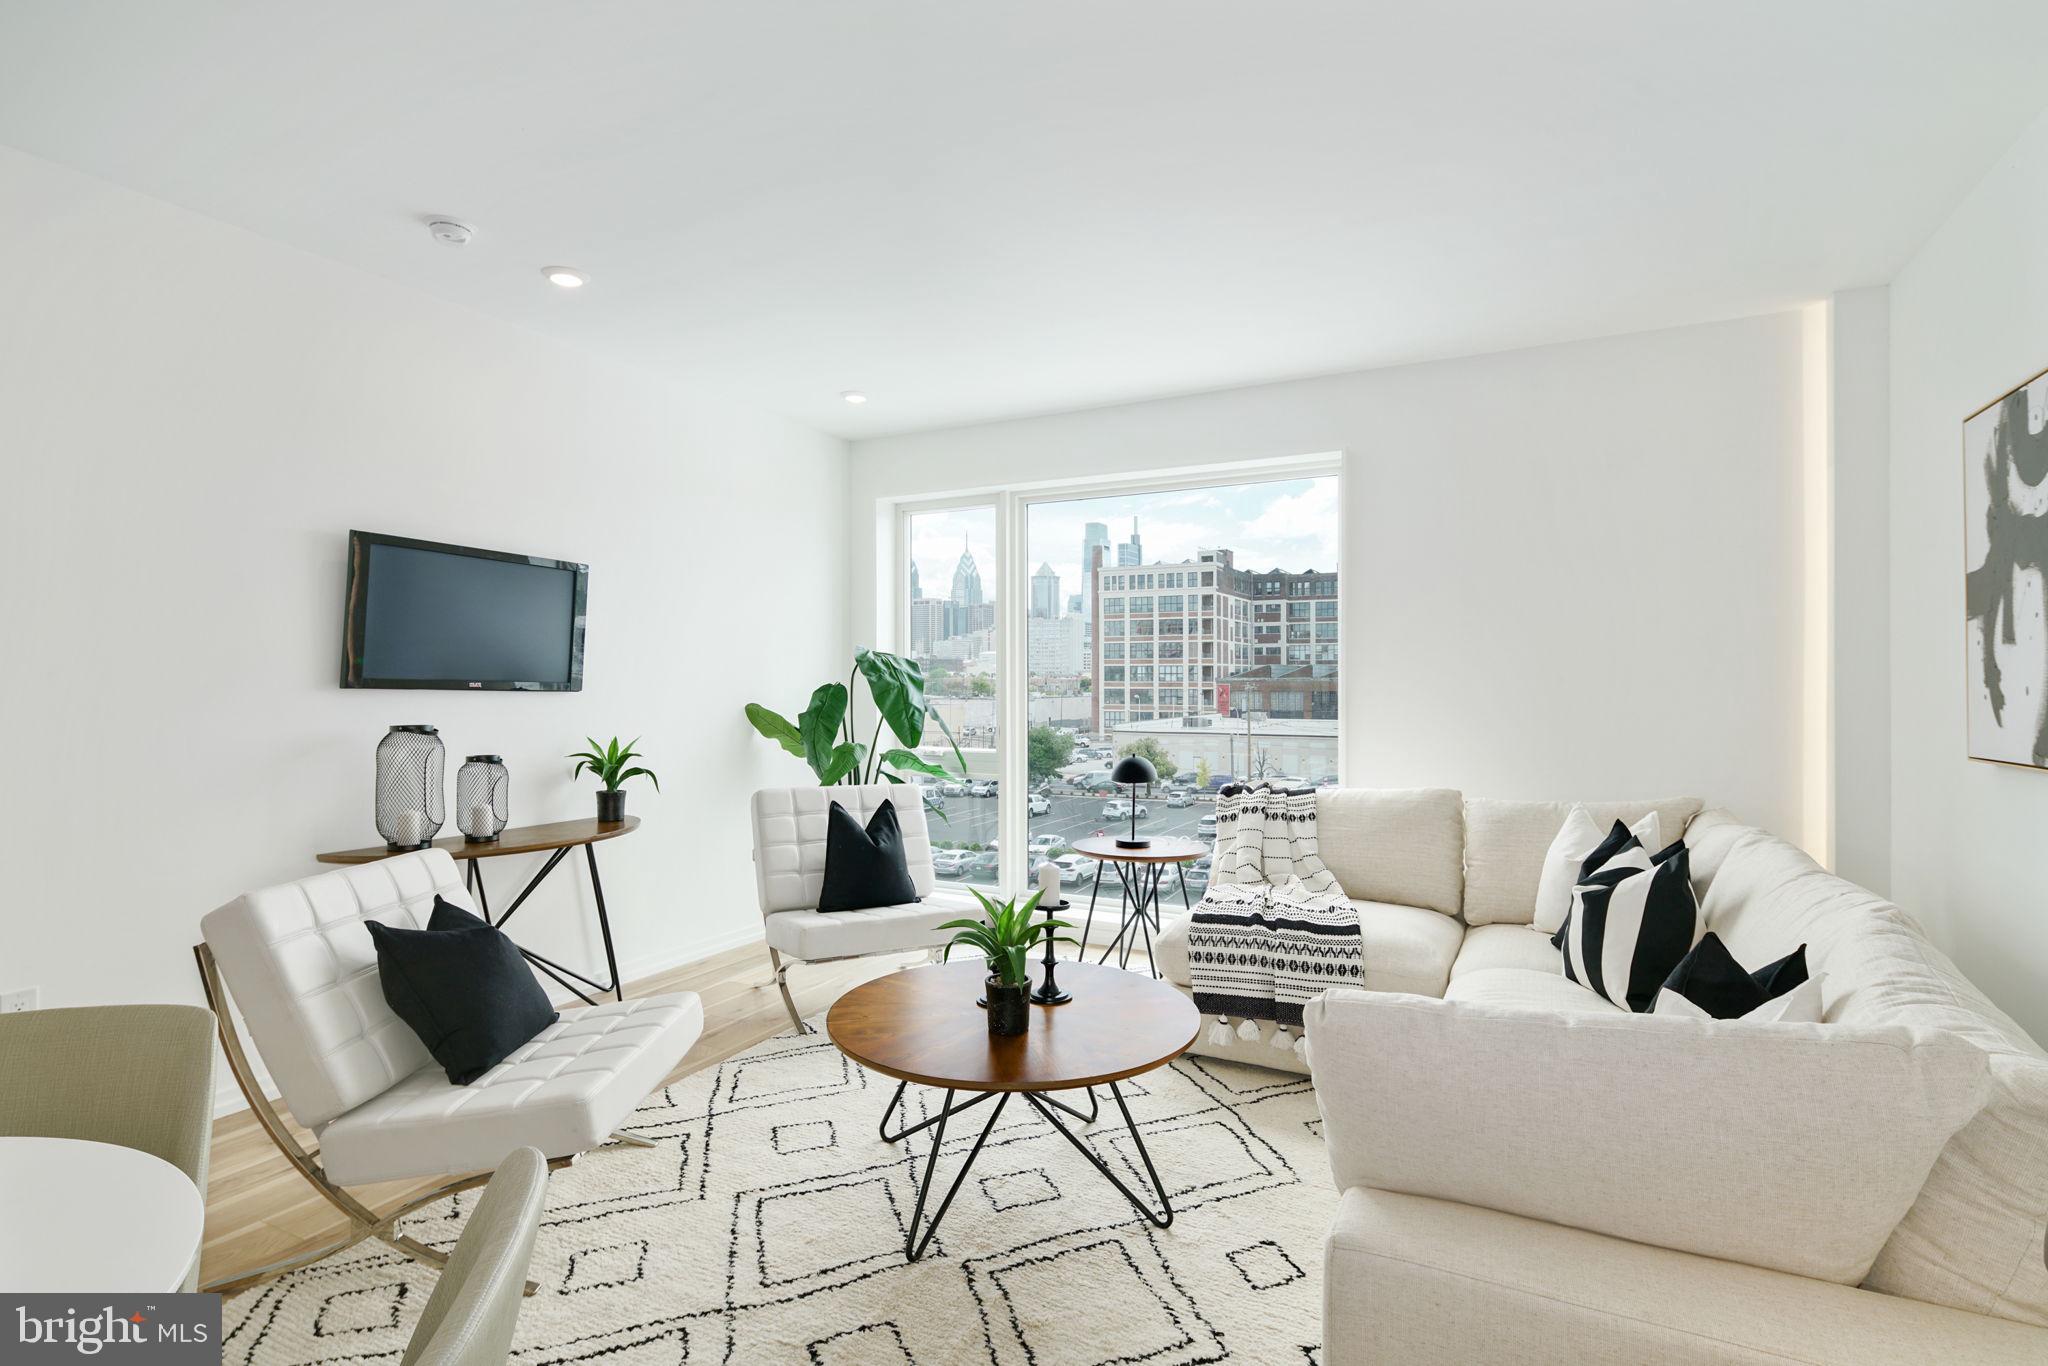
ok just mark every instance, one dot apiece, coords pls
pixel 1445 887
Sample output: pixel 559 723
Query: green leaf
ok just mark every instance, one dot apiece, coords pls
pixel 843 759
pixel 904 759
pixel 946 731
pixel 647 773
pixel 818 726
pixel 776 727
pixel 897 685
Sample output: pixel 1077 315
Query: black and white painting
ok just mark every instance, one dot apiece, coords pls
pixel 2005 551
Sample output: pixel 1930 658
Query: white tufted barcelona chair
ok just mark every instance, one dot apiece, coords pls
pixel 303 972
pixel 789 870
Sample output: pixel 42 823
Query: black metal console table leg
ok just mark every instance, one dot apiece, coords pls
pixel 474 878
pixel 1140 911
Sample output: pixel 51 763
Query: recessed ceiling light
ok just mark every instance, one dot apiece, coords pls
pixel 565 277
pixel 854 396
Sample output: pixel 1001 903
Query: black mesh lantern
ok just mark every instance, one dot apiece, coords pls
pixel 483 794
pixel 409 806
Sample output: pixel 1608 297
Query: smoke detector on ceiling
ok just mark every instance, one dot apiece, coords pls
pixel 450 232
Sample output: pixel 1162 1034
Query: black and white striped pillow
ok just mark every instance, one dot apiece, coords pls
pixel 1633 919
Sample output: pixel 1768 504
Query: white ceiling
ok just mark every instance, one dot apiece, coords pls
pixel 983 208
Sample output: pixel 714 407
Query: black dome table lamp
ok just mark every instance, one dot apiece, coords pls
pixel 1132 770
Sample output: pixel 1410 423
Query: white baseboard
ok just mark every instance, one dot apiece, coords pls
pixel 228 1098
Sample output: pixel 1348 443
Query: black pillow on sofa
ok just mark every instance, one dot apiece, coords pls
pixel 463 987
pixel 1711 979
pixel 864 868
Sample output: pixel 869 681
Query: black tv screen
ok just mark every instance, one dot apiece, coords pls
pixel 425 615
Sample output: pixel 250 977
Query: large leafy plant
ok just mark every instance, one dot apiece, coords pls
pixel 823 734
pixel 1005 935
pixel 609 764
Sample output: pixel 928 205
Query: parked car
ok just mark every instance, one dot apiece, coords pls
pixel 1206 825
pixel 1119 809
pixel 1039 804
pixel 1041 844
pixel 1219 781
pixel 1327 780
pixel 1181 796
pixel 934 795
pixel 953 789
pixel 1075 870
pixel 951 862
pixel 1196 876
pixel 981 788
pixel 984 866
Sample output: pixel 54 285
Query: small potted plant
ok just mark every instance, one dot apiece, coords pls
pixel 608 764
pixel 1004 937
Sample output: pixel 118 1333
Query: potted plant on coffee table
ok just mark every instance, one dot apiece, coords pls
pixel 608 764
pixel 1004 936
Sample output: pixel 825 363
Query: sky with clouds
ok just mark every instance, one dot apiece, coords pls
pixel 1287 524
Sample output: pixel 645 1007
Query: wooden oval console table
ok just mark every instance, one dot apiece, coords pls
pixel 555 839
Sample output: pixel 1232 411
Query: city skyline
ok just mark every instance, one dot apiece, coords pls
pixel 1282 524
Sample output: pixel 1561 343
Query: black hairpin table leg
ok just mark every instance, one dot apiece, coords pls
pixel 914 1246
pixel 1163 1220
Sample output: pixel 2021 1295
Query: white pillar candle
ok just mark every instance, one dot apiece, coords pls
pixel 1049 884
pixel 412 827
pixel 480 820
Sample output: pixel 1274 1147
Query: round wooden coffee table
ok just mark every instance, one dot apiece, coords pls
pixel 921 1025
pixel 1139 872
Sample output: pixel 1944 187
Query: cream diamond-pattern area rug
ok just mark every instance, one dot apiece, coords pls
pixel 768 1227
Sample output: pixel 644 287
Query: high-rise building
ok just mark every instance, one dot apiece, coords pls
pixel 1074 607
pixel 1054 648
pixel 1045 592
pixel 916 588
pixel 966 579
pixel 927 624
pixel 1132 551
pixel 1094 536
pixel 1167 635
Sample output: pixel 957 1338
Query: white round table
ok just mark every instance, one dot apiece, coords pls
pixel 77 1216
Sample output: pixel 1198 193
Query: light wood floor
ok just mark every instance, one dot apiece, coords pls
pixel 259 1210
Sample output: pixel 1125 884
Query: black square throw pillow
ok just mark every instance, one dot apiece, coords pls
pixel 463 987
pixel 1711 979
pixel 864 868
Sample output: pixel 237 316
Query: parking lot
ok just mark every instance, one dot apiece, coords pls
pixel 972 820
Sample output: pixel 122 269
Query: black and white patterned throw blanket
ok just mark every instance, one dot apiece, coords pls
pixel 1274 929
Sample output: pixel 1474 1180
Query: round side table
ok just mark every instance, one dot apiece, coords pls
pixel 1139 873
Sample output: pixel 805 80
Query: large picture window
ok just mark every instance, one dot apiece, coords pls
pixel 1197 626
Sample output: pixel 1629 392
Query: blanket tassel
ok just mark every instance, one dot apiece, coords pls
pixel 1281 1038
pixel 1219 1033
pixel 1248 1030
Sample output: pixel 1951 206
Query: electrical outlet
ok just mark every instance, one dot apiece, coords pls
pixel 13 1002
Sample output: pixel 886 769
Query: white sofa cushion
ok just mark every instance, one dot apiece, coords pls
pixel 1506 946
pixel 303 972
pixel 789 838
pixel 1975 1237
pixel 1415 1281
pixel 816 935
pixel 1792 1147
pixel 1406 948
pixel 1404 846
pixel 1505 843
pixel 1521 989
pixel 564 1091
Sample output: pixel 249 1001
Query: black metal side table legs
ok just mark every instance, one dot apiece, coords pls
pixel 473 878
pixel 915 1243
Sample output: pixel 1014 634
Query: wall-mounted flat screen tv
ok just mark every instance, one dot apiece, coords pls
pixel 425 615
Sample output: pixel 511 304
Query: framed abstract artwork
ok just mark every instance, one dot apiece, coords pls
pixel 2005 556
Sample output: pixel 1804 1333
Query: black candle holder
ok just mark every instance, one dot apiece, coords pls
pixel 1049 993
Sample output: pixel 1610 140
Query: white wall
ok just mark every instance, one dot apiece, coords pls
pixel 1573 571
pixel 1969 320
pixel 191 420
